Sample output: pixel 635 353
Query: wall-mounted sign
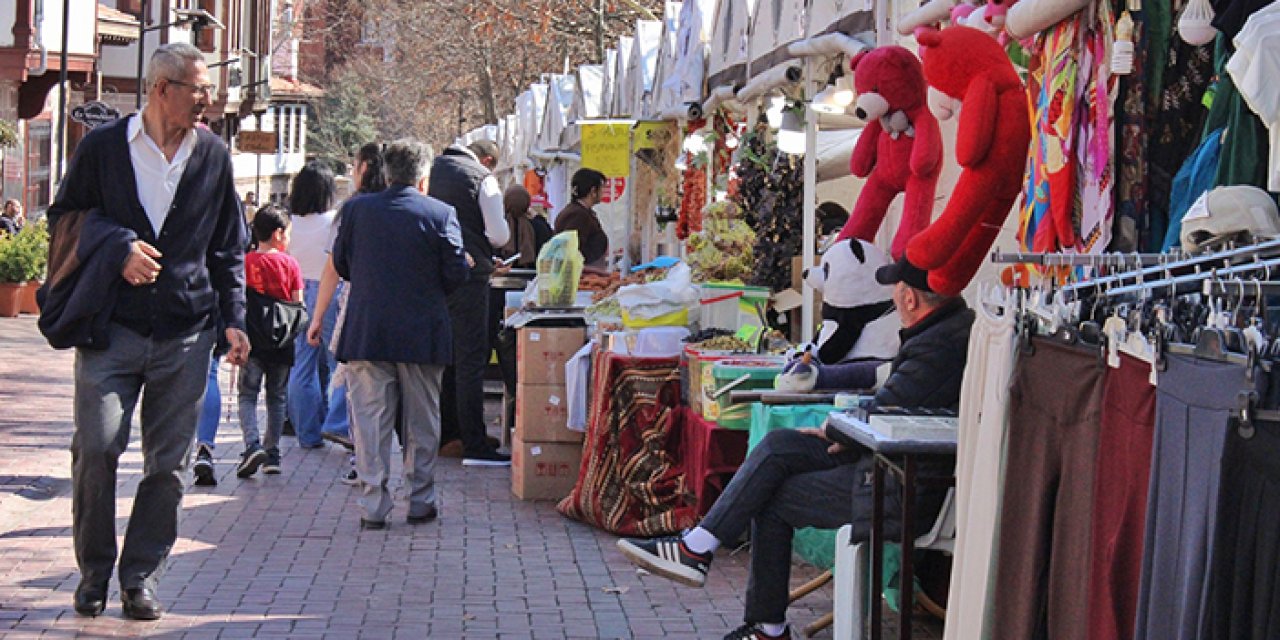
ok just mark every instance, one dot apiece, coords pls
pixel 257 142
pixel 94 114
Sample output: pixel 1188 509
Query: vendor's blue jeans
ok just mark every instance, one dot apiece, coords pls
pixel 211 411
pixel 309 379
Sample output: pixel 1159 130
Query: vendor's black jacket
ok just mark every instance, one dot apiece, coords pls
pixel 202 242
pixel 929 367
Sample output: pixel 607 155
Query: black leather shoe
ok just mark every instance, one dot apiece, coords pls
pixel 372 525
pixel 429 516
pixel 141 604
pixel 91 598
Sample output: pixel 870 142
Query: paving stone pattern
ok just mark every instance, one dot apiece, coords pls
pixel 283 557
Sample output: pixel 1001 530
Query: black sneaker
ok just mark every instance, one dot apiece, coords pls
pixel 349 477
pixel 753 631
pixel 250 460
pixel 487 459
pixel 667 557
pixel 203 467
pixel 271 466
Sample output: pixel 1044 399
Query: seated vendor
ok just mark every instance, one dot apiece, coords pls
pixel 795 478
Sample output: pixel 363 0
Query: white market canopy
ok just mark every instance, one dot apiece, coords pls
pixel 659 98
pixel 620 96
pixel 555 118
pixel 643 64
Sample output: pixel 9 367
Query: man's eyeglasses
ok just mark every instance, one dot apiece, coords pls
pixel 206 89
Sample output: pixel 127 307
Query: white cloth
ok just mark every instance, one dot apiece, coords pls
pixel 577 379
pixel 155 175
pixel 1254 67
pixel 311 240
pixel 984 405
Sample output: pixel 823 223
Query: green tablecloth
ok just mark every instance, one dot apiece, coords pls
pixel 815 546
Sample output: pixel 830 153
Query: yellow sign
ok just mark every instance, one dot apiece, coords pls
pixel 606 147
pixel 654 135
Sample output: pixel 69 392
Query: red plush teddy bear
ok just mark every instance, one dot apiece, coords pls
pixel 899 150
pixel 991 146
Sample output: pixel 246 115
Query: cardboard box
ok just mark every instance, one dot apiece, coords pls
pixel 544 470
pixel 541 413
pixel 542 351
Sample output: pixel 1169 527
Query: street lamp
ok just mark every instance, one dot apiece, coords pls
pixel 197 18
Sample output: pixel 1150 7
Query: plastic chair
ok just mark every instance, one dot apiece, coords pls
pixel 853 569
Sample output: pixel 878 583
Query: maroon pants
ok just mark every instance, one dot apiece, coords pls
pixel 1120 499
pixel 1042 574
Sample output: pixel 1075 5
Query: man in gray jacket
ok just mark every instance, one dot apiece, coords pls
pixel 796 478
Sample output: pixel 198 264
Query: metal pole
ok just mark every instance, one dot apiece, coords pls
pixel 142 39
pixel 62 90
pixel 810 205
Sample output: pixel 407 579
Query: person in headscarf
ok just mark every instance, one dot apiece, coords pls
pixel 529 231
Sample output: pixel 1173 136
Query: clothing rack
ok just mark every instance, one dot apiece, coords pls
pixel 1085 259
pixel 1194 282
pixel 1202 264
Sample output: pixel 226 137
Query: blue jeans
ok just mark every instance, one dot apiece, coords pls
pixel 211 412
pixel 309 379
pixel 337 422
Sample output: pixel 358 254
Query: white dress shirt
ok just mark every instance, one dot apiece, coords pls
pixel 156 176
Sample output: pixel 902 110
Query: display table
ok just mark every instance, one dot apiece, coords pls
pixel 899 457
pixel 631 481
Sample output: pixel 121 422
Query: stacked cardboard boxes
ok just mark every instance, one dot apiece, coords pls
pixel 545 454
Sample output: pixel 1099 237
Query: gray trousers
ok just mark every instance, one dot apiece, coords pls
pixel 170 377
pixel 376 393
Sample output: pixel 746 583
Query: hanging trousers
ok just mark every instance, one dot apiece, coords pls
pixel 1120 499
pixel 984 406
pixel 1244 582
pixel 1042 573
pixel 1195 400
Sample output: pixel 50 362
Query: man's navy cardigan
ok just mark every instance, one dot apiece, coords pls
pixel 202 242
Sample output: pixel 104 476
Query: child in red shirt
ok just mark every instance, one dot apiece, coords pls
pixel 273 282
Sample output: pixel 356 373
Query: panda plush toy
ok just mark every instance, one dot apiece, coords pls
pixel 858 321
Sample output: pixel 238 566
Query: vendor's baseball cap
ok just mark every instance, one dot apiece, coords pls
pixel 905 272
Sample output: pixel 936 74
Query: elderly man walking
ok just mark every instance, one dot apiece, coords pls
pixel 402 253
pixel 149 203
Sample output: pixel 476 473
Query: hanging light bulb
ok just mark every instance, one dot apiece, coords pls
pixel 836 96
pixel 791 133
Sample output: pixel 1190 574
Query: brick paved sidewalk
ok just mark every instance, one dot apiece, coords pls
pixel 283 557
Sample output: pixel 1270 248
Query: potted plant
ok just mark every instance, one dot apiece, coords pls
pixel 18 265
pixel 36 238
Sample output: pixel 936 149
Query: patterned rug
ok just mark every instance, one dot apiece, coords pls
pixel 631 482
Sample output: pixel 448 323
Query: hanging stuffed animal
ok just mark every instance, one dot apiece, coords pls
pixel 900 149
pixel 858 321
pixel 993 136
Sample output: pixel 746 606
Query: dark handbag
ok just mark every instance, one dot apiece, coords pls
pixel 273 325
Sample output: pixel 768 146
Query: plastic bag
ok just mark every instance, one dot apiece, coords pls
pixel 559 267
pixel 673 294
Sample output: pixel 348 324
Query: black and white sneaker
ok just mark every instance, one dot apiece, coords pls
pixel 203 467
pixel 669 558
pixel 754 632
pixel 250 460
pixel 349 477
pixel 271 466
